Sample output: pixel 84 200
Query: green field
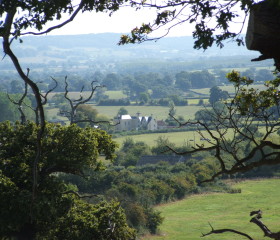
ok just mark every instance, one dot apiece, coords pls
pixel 158 112
pixel 183 138
pixel 76 95
pixel 178 138
pixel 115 94
pixel 187 219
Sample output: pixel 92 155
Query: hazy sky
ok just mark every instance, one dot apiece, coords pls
pixel 122 21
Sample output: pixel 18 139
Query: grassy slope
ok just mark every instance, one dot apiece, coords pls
pixel 188 218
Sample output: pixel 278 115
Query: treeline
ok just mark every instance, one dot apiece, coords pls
pixel 156 84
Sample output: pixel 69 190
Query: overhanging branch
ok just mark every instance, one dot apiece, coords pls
pixel 78 9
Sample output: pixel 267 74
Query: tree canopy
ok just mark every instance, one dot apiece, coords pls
pixel 68 150
pixel 217 94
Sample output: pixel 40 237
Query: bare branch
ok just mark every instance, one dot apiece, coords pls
pixel 74 104
pixel 257 215
pixel 220 231
pixel 45 96
pixel 20 102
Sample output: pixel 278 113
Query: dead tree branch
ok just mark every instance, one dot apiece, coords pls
pixel 75 103
pixel 257 215
pixel 220 231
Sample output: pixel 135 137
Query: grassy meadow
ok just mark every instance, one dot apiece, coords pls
pixel 188 218
pixel 159 112
pixel 76 95
pixel 178 138
pixel 183 138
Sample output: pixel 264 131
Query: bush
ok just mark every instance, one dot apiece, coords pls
pixel 154 220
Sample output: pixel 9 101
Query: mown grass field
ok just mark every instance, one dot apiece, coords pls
pixel 158 112
pixel 188 218
pixel 183 138
pixel 178 138
pixel 76 95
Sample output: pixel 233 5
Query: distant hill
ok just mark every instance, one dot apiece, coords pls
pixel 168 47
pixel 102 52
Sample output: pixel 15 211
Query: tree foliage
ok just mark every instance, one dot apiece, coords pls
pixel 217 94
pixel 212 20
pixel 198 79
pixel 9 111
pixel 70 150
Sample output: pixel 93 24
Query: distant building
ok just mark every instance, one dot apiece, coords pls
pixel 129 123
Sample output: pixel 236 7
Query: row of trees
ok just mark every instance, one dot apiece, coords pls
pixel 152 87
pixel 135 84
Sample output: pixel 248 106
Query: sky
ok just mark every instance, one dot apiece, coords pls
pixel 122 21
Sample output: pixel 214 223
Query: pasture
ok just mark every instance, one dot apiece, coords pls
pixel 188 219
pixel 189 138
pixel 76 95
pixel 158 112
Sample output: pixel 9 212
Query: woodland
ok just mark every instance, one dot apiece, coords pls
pixel 73 182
